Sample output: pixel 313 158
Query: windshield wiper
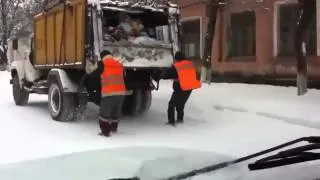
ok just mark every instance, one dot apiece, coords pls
pixel 291 156
pixel 134 178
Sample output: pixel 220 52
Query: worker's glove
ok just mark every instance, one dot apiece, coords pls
pixel 91 66
pixel 129 92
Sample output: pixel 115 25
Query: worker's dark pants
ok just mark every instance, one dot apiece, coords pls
pixel 110 113
pixel 177 102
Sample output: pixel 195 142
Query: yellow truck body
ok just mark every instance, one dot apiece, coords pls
pixel 59 36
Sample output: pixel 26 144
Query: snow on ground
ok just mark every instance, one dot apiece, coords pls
pixel 231 119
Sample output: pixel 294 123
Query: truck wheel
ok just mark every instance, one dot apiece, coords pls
pixel 132 104
pixel 82 100
pixel 20 95
pixel 146 101
pixel 61 106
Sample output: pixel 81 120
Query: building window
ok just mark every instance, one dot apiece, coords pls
pixel 288 18
pixel 191 38
pixel 242 37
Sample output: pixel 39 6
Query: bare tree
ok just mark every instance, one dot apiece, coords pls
pixel 307 13
pixel 8 10
pixel 30 9
pixel 16 18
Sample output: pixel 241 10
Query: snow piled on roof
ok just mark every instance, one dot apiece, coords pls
pixel 145 5
pixel 119 3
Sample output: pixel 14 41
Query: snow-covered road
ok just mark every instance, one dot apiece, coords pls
pixel 231 119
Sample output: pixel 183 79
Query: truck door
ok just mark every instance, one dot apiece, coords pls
pixel 96 20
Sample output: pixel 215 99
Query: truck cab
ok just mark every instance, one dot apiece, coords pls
pixel 67 34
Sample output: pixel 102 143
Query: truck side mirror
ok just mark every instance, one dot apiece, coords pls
pixel 15 44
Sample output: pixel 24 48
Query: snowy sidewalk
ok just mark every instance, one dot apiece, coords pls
pixel 278 103
pixel 231 119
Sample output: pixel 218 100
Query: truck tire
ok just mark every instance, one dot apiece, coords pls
pixel 61 105
pixel 138 103
pixel 132 104
pixel 146 101
pixel 20 95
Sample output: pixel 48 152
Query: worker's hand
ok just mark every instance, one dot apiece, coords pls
pixel 129 92
pixel 91 66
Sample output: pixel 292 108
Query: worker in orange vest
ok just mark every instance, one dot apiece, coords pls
pixel 113 91
pixel 185 80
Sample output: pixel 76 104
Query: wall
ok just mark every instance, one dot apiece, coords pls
pixel 266 60
pixel 259 64
pixel 286 66
pixel 191 9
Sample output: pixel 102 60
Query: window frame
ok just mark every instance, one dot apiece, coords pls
pixel 229 38
pixel 279 46
pixel 193 18
pixel 276 21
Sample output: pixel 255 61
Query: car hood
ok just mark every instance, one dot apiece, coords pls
pixel 301 171
pixel 143 162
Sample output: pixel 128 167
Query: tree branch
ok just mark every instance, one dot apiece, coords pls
pixel 11 25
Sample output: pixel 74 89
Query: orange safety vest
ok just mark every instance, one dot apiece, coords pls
pixel 112 80
pixel 187 75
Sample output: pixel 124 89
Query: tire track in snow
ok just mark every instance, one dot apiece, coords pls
pixel 289 120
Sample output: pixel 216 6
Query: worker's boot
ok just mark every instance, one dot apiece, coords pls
pixel 114 126
pixel 180 115
pixel 180 121
pixel 105 128
pixel 104 134
pixel 172 123
pixel 171 115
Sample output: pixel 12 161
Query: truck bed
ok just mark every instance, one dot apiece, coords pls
pixel 59 36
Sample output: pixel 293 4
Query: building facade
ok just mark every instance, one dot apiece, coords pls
pixel 252 37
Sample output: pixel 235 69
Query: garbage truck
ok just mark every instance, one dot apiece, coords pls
pixel 67 34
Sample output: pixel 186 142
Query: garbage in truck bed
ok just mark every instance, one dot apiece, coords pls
pixel 137 46
pixel 141 52
pixel 139 41
pixel 154 4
